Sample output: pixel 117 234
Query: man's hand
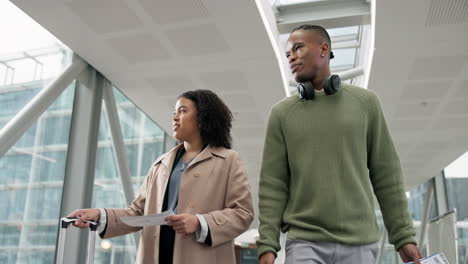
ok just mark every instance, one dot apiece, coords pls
pixel 410 252
pixel 267 258
pixel 184 224
pixel 85 215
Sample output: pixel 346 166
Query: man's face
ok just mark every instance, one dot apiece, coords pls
pixel 304 51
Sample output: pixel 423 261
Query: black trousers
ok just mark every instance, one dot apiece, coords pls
pixel 166 244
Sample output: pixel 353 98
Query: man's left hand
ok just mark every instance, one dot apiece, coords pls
pixel 184 224
pixel 410 252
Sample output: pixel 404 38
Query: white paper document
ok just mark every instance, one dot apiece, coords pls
pixel 434 259
pixel 147 220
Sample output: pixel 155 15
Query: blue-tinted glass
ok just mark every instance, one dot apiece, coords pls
pixel 55 130
pixel 105 165
pixel 13 204
pixel 10 235
pixel 15 168
pixel 13 101
pixel 51 166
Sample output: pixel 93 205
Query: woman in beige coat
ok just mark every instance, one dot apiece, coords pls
pixel 202 180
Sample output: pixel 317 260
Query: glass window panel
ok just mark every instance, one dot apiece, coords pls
pixel 31 178
pixel 65 101
pixel 108 193
pixel 343 31
pixel 51 166
pixel 416 199
pixel 132 156
pixel 105 164
pixel 43 203
pixel 12 101
pixel 13 202
pixel 7 256
pixel 55 129
pixel 31 172
pixel 456 177
pixel 36 256
pixel 151 151
pixel 10 235
pixel 41 235
pixel 144 142
pixel 343 58
pixel 14 168
pixel 130 120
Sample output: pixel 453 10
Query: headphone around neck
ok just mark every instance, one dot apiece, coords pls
pixel 331 86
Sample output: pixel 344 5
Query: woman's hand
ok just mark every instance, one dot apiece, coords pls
pixel 85 215
pixel 184 224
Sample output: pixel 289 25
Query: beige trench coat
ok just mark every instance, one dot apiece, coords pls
pixel 215 185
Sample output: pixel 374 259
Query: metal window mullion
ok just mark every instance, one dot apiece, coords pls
pixel 141 145
pixel 81 158
pixel 120 153
pixel 441 198
pixel 118 143
pixel 427 206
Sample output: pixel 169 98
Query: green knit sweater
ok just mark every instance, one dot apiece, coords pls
pixel 321 161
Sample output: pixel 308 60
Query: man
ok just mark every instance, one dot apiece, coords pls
pixel 322 159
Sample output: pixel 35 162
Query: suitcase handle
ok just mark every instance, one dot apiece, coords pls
pixel 66 221
pixel 64 224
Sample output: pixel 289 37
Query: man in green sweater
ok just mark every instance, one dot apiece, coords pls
pixel 323 159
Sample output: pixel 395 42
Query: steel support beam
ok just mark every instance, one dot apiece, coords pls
pixel 81 159
pixel 329 14
pixel 120 153
pixel 352 73
pixel 16 127
pixel 441 198
pixel 425 217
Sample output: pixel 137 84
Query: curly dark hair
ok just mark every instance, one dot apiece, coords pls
pixel 213 116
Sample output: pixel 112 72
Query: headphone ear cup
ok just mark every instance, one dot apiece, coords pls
pixel 332 85
pixel 306 90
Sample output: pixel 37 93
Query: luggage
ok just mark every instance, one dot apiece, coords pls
pixel 64 224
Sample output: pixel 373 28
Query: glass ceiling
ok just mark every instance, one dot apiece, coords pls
pixel 346 42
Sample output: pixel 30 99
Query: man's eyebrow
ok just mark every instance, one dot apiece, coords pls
pixel 295 45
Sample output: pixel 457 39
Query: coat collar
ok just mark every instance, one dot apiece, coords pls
pixel 168 158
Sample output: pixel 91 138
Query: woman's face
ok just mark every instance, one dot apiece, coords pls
pixel 184 120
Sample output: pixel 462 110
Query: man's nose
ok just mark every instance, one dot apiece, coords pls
pixel 291 58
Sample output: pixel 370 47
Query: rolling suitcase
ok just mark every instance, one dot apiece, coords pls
pixel 64 224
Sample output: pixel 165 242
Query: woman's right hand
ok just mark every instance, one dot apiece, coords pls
pixel 85 215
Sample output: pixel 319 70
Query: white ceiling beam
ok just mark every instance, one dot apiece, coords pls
pixel 329 14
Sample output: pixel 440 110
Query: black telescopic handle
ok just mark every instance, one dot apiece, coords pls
pixel 66 221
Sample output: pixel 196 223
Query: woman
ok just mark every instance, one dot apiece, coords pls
pixel 201 179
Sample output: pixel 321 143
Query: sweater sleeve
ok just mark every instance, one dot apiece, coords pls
pixel 387 178
pixel 273 186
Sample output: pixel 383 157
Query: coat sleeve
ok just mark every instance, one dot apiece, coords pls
pixel 235 218
pixel 115 227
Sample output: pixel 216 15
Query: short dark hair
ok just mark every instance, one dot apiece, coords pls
pixel 322 32
pixel 213 116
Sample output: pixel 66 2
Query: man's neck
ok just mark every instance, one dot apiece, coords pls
pixel 320 77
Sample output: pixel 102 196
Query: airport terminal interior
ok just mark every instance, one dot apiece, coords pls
pixel 88 88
